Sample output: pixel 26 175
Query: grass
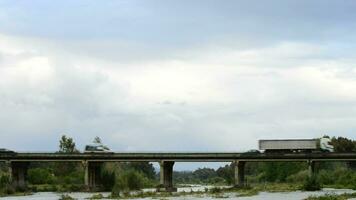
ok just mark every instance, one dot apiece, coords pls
pixel 333 197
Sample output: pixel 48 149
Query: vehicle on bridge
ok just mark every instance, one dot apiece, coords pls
pixel 97 148
pixel 296 145
pixel 6 151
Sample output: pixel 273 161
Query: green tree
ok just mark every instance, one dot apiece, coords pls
pixel 204 174
pixel 342 144
pixel 227 173
pixel 40 176
pixel 67 145
pixel 97 140
pixel 145 168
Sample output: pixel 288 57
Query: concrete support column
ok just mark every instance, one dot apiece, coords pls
pixel 92 177
pixel 239 168
pixel 166 177
pixel 19 174
pixel 311 168
pixel 86 173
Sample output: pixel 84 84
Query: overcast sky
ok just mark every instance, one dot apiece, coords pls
pixel 175 75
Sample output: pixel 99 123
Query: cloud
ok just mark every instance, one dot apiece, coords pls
pixel 204 101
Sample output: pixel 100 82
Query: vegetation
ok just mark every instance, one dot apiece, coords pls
pixel 120 178
pixel 311 184
pixel 66 197
pixel 332 197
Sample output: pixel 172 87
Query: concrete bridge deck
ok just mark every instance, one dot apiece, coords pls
pixel 176 157
pixel 18 163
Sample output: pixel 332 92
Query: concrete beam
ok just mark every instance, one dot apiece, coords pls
pixel 166 177
pixel 239 169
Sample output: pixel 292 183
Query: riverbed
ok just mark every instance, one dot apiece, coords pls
pixel 296 195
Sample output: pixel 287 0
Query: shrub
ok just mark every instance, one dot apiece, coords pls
pixel 4 180
pixel 128 180
pixel 326 177
pixel 311 184
pixel 66 197
pixel 299 177
pixel 40 176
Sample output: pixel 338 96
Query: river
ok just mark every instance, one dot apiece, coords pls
pixel 297 195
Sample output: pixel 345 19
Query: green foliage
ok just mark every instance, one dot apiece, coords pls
pixel 299 177
pixel 227 172
pixel 204 173
pixel 4 180
pixel 5 184
pixel 108 179
pixel 40 176
pixel 144 167
pixel 63 169
pixel 279 171
pixel 97 196
pixel 332 197
pixel 342 144
pixel 127 181
pixel 66 197
pixel 67 145
pixel 311 184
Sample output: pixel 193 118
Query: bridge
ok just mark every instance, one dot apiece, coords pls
pixel 18 163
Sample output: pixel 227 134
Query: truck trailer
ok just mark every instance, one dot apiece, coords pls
pixel 297 145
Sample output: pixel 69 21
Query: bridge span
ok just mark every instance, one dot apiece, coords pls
pixel 18 163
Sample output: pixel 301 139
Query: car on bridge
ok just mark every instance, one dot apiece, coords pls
pixel 252 152
pixel 6 151
pixel 97 148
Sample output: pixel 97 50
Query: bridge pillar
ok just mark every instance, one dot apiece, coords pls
pixel 92 176
pixel 311 168
pixel 19 174
pixel 166 177
pixel 239 169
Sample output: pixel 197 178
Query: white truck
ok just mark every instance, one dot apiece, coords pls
pixel 296 145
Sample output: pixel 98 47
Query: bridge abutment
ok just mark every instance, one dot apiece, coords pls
pixel 92 174
pixel 18 174
pixel 166 177
pixel 239 169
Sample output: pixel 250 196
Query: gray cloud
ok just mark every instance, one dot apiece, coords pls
pixel 176 76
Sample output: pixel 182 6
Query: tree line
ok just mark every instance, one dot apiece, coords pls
pixel 69 176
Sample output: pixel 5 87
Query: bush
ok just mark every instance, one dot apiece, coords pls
pixel 4 180
pixel 326 177
pixel 311 184
pixel 299 177
pixel 40 176
pixel 128 180
pixel 66 197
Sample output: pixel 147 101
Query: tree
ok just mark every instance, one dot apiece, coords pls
pixel 67 145
pixel 144 167
pixel 342 144
pixel 97 140
pixel 226 172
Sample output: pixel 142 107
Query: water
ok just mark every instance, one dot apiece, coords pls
pixel 297 195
